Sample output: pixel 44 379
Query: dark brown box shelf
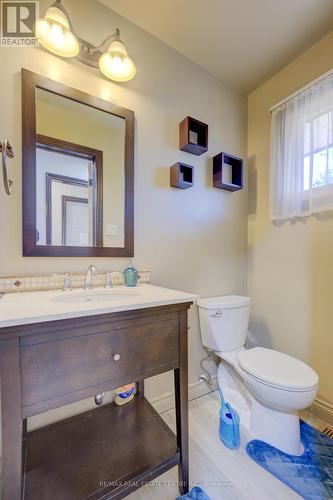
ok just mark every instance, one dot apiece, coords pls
pixel 227 172
pixel 193 136
pixel 103 453
pixel 181 176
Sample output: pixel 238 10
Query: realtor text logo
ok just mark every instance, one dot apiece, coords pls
pixel 18 23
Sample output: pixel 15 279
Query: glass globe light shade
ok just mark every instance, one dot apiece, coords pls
pixel 115 63
pixel 53 31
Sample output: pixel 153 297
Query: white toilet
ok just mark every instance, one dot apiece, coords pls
pixel 268 386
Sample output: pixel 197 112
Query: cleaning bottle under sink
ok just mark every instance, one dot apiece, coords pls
pixel 124 394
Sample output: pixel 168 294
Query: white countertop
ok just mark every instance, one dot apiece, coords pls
pixel 24 308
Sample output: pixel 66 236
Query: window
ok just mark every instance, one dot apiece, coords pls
pixel 318 152
pixel 301 153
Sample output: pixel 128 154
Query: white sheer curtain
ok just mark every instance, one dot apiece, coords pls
pixel 301 153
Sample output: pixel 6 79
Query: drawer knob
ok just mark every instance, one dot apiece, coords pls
pixel 116 357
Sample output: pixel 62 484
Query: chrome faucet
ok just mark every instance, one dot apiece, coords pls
pixel 67 283
pixel 109 277
pixel 108 281
pixel 88 282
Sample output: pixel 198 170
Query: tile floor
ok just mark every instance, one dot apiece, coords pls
pixel 223 474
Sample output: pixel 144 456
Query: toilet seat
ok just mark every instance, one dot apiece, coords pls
pixel 276 369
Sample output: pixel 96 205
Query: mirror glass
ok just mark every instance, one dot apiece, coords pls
pixel 80 174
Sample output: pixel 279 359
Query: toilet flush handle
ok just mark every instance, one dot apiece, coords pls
pixel 218 314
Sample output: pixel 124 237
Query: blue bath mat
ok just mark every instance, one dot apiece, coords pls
pixel 196 493
pixel 310 474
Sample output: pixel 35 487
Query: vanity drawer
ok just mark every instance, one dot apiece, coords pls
pixel 55 368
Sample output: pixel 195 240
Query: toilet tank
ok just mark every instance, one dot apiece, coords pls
pixel 224 322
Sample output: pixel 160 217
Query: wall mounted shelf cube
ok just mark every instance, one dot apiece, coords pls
pixel 227 172
pixel 181 176
pixel 193 136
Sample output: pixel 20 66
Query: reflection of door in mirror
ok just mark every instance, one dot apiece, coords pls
pixel 79 144
pixel 67 171
pixel 74 221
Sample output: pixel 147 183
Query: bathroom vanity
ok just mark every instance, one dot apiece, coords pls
pixel 60 347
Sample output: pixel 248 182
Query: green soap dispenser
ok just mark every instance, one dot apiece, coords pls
pixel 131 275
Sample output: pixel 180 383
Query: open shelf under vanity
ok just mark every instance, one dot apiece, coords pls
pixel 103 453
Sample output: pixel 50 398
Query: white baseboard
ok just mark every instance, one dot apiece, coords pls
pixel 167 401
pixel 323 410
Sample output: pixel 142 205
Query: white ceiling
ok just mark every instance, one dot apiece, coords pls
pixel 242 42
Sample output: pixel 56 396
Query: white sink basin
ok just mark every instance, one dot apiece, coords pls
pixel 25 308
pixel 95 296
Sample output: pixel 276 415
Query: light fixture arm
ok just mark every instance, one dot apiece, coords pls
pixel 90 54
pixel 59 5
pixel 108 39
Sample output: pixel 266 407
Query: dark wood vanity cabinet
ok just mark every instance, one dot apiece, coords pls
pixel 106 452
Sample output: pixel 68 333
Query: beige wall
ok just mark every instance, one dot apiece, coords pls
pixel 290 267
pixel 193 240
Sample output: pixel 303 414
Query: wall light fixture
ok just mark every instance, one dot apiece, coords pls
pixel 55 32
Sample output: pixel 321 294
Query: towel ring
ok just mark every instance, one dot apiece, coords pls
pixel 6 151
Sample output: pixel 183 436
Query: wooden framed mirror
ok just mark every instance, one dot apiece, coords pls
pixel 78 172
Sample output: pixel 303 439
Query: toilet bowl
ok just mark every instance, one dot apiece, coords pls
pixel 277 385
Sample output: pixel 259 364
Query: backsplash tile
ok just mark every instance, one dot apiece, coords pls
pixel 35 282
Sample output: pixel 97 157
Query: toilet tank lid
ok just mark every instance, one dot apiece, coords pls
pixel 224 302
